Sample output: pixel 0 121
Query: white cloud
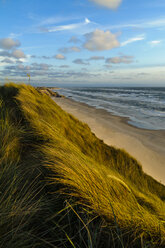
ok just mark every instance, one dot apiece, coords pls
pixel 144 24
pixel 112 4
pixel 87 21
pixel 8 43
pixel 100 40
pixel 14 35
pixel 156 23
pixel 53 20
pixel 67 27
pixel 134 39
pixel 155 42
pixel 59 56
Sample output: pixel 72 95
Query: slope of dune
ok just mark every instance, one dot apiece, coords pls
pixel 61 186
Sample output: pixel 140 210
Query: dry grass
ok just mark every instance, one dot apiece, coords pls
pixel 90 194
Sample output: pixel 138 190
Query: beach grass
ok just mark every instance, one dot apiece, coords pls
pixel 61 186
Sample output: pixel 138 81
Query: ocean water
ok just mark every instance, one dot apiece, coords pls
pixel 145 107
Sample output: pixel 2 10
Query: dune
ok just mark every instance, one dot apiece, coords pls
pixel 147 146
pixel 61 186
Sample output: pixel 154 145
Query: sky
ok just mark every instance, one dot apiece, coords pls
pixel 83 42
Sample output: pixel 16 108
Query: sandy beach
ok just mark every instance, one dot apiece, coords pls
pixel 147 146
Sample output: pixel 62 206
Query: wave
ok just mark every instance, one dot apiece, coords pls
pixel 144 106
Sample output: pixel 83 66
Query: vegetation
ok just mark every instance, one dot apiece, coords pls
pixel 60 186
pixel 48 91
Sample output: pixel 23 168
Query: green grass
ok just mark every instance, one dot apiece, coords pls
pixel 60 186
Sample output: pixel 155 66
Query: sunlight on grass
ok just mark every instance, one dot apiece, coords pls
pixel 89 194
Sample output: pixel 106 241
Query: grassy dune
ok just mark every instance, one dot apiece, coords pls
pixel 60 186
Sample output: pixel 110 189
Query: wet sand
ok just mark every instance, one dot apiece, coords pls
pixel 147 146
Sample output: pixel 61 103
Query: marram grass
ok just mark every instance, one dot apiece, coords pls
pixel 60 186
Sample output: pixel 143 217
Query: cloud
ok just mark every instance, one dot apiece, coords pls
pixel 40 66
pixel 5 54
pixel 100 40
pixel 21 67
pixel 80 62
pixel 155 42
pixel 156 23
pixel 18 54
pixel 53 20
pixel 141 24
pixel 87 21
pixel 45 72
pixel 14 35
pixel 80 76
pixel 59 56
pixel 20 70
pixel 32 67
pixel 134 39
pixel 45 57
pixel 142 74
pixel 112 4
pixel 96 58
pixel 7 61
pixel 16 70
pixel 64 66
pixel 41 57
pixel 8 43
pixel 66 27
pixel 75 49
pixel 69 49
pixel 120 60
pixel 74 39
pixel 108 66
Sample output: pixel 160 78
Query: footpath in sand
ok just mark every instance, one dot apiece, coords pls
pixel 147 146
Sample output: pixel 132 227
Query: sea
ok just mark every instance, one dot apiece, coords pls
pixel 145 107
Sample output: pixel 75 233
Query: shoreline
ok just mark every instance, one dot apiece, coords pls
pixel 147 146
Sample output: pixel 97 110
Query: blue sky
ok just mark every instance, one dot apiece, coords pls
pixel 83 42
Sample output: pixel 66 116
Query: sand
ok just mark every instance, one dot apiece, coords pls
pixel 147 146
